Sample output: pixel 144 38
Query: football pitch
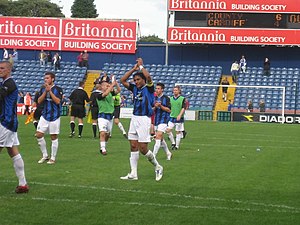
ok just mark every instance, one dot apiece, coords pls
pixel 223 173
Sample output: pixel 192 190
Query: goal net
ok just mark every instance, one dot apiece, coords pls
pixel 204 96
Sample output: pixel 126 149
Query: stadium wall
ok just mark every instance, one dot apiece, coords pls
pixel 221 55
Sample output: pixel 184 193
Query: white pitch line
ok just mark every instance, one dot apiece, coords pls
pixel 62 200
pixel 276 208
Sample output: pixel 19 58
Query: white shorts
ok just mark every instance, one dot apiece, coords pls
pixel 47 127
pixel 178 126
pixel 8 138
pixel 139 129
pixel 104 125
pixel 161 127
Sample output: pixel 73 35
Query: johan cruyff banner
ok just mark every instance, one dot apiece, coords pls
pixel 258 6
pixel 115 36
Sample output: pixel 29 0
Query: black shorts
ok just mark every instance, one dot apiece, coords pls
pixel 37 113
pixel 117 112
pixel 94 111
pixel 78 111
pixel 224 89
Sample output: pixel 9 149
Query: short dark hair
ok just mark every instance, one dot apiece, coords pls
pixel 141 75
pixel 81 83
pixel 161 85
pixel 51 74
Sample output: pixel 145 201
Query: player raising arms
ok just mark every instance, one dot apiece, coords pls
pixel 50 97
pixel 139 128
pixel 9 123
pixel 105 103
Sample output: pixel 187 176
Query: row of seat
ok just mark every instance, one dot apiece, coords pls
pixel 29 75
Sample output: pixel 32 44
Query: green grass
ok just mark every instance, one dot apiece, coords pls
pixel 217 177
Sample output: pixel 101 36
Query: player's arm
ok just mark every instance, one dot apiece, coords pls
pixel 3 92
pixel 144 71
pixel 56 99
pixel 127 75
pixel 42 97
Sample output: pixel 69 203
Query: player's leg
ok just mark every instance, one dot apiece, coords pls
pixel 143 132
pixel 18 164
pixel 54 130
pixel 134 152
pixel 80 127
pixel 42 128
pixel 72 123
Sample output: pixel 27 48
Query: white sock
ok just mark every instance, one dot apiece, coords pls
pixel 103 145
pixel 134 158
pixel 156 147
pixel 171 137
pixel 151 158
pixel 121 128
pixel 178 138
pixel 19 169
pixel 42 144
pixel 54 148
pixel 165 147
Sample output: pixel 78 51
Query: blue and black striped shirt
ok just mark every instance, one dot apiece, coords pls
pixel 143 100
pixel 8 104
pixel 160 115
pixel 51 111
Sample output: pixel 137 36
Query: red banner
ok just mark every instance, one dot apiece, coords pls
pixel 233 36
pixel 114 36
pixel 258 6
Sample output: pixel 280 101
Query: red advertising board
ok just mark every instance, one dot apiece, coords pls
pixel 259 6
pixel 233 36
pixel 29 33
pixel 116 36
pixel 99 36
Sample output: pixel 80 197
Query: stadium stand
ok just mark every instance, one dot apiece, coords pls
pixel 29 75
pixel 287 77
pixel 200 98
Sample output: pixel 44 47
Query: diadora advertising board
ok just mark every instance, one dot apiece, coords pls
pixel 287 6
pixel 265 118
pixel 115 36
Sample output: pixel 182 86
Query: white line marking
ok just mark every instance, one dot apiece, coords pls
pixel 274 208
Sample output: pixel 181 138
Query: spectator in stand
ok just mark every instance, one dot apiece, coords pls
pixel 42 57
pixel 15 55
pixel 56 61
pixel 234 71
pixel 12 62
pixel 262 106
pixel 243 64
pixel 5 54
pixel 49 58
pixel 27 102
pixel 80 60
pixel 267 67
pixel 85 59
pixel 250 106
pixel 225 89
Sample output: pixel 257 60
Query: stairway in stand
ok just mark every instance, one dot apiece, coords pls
pixel 90 78
pixel 220 104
